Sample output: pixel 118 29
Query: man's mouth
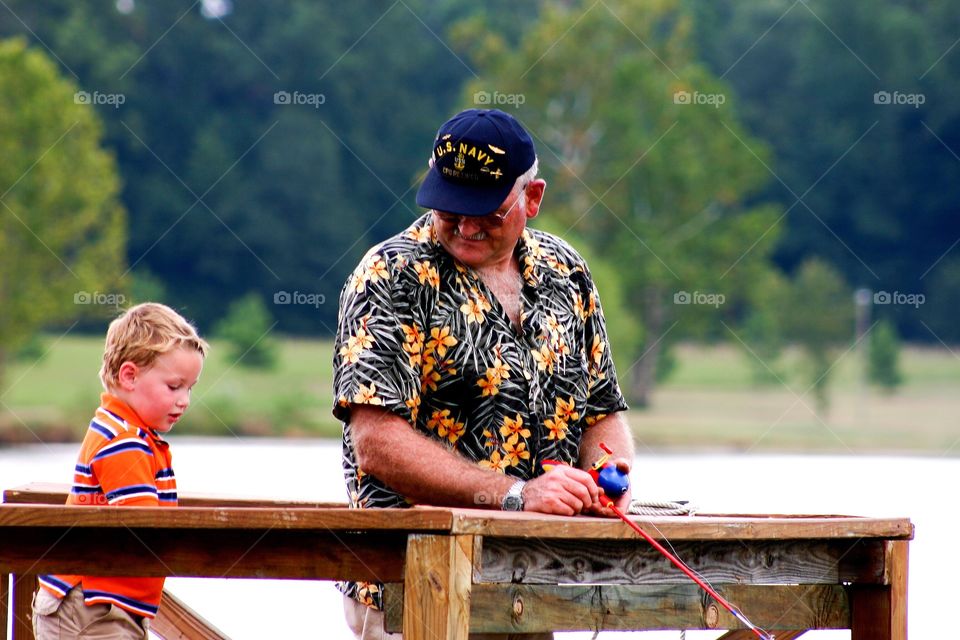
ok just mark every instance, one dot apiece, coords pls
pixel 479 235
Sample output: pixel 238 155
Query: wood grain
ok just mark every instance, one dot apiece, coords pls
pixel 532 609
pixel 275 553
pixel 13 516
pixel 437 587
pixel 177 621
pixel 880 612
pixel 24 587
pixel 546 561
pixel 699 527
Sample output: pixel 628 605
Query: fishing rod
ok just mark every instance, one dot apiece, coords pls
pixel 614 483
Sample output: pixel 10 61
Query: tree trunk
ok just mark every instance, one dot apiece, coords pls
pixel 644 371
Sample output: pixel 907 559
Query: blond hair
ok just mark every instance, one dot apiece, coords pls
pixel 142 334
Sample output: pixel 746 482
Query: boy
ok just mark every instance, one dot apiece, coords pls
pixel 152 359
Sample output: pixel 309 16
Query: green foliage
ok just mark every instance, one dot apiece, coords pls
pixel 877 178
pixel 761 337
pixel 648 175
pixel 229 190
pixel 883 360
pixel 62 228
pixel 246 329
pixel 818 317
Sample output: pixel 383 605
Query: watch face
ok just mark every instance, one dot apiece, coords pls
pixel 512 503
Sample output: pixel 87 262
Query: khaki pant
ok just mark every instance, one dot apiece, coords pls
pixel 367 624
pixel 71 619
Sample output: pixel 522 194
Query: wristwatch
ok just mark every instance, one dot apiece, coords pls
pixel 513 501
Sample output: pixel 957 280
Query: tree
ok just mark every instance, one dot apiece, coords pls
pixel 645 160
pixel 817 317
pixel 883 361
pixel 246 328
pixel 860 102
pixel 62 228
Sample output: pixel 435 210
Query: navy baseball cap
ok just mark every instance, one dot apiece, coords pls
pixel 477 157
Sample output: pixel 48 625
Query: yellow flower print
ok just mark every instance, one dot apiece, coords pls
pixel 592 420
pixel 596 350
pixel 475 307
pixel 565 410
pixel 376 268
pixel 495 463
pixel 367 395
pixel 578 307
pixel 413 343
pixel 351 351
pixel 515 451
pixel 440 340
pixel 558 428
pixel 429 377
pixel 489 385
pixel 545 358
pixel 414 405
pixel 427 273
pixel 500 369
pixel 420 234
pixel 364 339
pixel 514 428
pixel 438 416
pixel 451 429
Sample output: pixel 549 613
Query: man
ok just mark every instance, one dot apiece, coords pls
pixel 470 349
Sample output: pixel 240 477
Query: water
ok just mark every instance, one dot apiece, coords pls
pixel 915 487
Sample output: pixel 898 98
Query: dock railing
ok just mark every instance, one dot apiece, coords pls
pixel 450 572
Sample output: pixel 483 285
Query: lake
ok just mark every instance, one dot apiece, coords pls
pixel 914 487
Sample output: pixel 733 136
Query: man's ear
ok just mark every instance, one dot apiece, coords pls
pixel 127 376
pixel 534 195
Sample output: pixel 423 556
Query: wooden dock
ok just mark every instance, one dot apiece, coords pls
pixel 450 572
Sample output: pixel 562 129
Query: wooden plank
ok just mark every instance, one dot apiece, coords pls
pixel 532 609
pixel 437 587
pixel 746 634
pixel 4 601
pixel 544 561
pixel 24 587
pixel 532 525
pixel 340 519
pixel 56 493
pixel 242 553
pixel 880 612
pixel 177 621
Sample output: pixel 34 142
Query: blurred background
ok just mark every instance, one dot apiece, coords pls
pixel 766 192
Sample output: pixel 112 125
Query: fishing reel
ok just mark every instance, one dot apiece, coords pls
pixel 613 482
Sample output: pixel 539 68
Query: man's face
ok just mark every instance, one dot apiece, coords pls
pixel 485 241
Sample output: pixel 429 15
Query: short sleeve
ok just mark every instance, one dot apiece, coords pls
pixel 124 468
pixel 604 394
pixel 378 349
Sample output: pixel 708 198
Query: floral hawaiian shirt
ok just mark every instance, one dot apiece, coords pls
pixel 420 334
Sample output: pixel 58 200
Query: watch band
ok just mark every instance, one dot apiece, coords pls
pixel 513 500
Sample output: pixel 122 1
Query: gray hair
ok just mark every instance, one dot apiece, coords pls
pixel 526 178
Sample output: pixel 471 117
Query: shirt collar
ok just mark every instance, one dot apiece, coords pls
pixel 119 408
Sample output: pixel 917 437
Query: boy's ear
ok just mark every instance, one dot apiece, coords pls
pixel 127 375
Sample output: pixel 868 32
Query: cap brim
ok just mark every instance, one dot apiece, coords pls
pixel 465 200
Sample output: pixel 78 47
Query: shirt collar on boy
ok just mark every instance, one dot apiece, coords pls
pixel 123 411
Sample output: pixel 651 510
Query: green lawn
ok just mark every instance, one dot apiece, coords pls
pixel 708 403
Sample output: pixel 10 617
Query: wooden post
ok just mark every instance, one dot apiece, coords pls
pixel 880 612
pixel 4 601
pixel 23 588
pixel 437 580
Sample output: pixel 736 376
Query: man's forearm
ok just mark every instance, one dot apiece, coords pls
pixel 421 469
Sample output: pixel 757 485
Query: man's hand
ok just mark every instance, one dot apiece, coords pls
pixel 564 491
pixel 622 502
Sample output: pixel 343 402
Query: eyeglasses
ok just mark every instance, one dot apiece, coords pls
pixel 491 220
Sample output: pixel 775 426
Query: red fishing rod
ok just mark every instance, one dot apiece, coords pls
pixel 614 483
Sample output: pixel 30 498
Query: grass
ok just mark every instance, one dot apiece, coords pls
pixel 708 403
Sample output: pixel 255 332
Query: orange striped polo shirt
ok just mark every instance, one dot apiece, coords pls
pixel 122 462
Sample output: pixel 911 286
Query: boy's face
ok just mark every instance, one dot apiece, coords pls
pixel 161 393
